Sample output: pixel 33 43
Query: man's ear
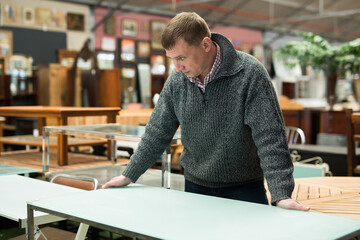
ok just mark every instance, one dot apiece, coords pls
pixel 206 44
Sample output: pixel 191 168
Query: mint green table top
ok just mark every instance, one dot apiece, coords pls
pixel 15 190
pixel 11 170
pixel 158 213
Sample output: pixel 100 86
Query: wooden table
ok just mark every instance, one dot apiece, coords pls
pixel 134 117
pixel 331 195
pixel 61 114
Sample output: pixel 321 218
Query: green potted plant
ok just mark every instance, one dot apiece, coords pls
pixel 318 53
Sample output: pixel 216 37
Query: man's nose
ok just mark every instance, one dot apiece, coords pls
pixel 178 67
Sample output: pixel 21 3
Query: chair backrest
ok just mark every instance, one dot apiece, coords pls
pixel 82 182
pixel 352 119
pixel 302 170
pixel 310 167
pixel 295 135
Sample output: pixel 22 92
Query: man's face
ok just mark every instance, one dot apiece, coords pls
pixel 191 60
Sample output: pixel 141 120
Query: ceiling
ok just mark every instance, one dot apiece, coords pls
pixel 335 20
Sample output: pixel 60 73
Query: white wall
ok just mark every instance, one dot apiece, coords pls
pixel 75 39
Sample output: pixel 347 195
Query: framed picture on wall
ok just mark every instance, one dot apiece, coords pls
pixel 75 21
pixel 143 49
pixel 43 16
pixel 58 19
pixel 6 43
pixel 109 26
pixel 105 59
pixel 128 75
pixel 11 13
pixel 129 27
pixel 157 64
pixel 127 50
pixel 28 16
pixel 156 29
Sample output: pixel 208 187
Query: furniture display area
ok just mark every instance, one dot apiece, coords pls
pixel 61 115
pixel 112 133
pixel 211 217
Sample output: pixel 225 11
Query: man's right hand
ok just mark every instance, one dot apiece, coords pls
pixel 117 182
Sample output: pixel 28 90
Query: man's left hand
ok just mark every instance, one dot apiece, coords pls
pixel 291 204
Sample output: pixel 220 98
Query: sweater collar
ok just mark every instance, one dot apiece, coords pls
pixel 232 63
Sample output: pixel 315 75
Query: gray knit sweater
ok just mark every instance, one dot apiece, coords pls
pixel 232 134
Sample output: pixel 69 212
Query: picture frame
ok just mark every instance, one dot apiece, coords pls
pixel 59 19
pixel 43 16
pixel 129 27
pixel 128 78
pixel 157 64
pixel 127 50
pixel 110 26
pixel 28 16
pixel 105 59
pixel 156 29
pixel 75 21
pixel 143 49
pixel 6 43
pixel 11 13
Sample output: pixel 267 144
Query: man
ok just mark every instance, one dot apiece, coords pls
pixel 231 124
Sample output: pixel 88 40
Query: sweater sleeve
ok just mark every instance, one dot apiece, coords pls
pixel 159 131
pixel 264 117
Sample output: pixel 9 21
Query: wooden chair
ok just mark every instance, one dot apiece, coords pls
pixel 295 135
pixel 82 182
pixel 352 119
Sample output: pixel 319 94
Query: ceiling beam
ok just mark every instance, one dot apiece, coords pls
pixel 226 15
pixel 109 14
pixel 327 15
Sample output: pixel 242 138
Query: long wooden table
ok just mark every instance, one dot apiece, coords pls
pixel 61 114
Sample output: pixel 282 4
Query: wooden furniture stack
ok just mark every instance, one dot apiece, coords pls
pixel 352 120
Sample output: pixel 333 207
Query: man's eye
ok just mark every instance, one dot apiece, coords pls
pixel 181 59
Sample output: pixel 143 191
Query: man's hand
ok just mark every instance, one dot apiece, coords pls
pixel 291 204
pixel 117 182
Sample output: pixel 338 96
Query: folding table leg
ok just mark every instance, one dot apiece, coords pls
pixel 81 233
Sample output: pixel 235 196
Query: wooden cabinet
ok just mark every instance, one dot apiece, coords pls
pixel 306 119
pixel 333 122
pixel 54 87
pixel 157 84
pixel 110 88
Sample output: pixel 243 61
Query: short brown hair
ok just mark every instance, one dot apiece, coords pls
pixel 187 25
